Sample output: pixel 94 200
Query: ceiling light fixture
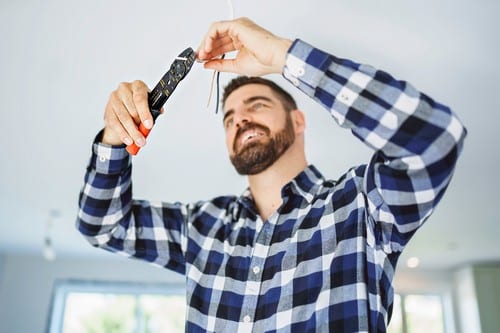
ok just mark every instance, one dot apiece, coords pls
pixel 48 251
pixel 413 262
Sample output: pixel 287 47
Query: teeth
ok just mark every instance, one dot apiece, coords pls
pixel 250 135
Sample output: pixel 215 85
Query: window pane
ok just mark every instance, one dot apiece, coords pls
pixel 162 313
pixel 424 314
pixel 396 323
pixel 99 313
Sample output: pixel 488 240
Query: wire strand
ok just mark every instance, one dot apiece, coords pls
pixel 216 74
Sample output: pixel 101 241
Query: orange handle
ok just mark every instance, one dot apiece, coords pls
pixel 133 149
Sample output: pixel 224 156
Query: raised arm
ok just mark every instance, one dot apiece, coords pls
pixel 416 141
pixel 108 216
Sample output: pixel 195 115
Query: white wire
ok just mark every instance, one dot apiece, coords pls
pixel 231 17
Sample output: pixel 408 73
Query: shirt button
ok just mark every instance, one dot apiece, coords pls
pixel 102 158
pixel 256 270
pixel 246 319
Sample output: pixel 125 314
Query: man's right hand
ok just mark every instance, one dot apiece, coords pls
pixel 127 107
pixel 258 51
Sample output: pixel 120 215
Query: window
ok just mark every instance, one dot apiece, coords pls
pixel 102 307
pixel 417 313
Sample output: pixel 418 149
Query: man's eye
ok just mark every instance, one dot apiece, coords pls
pixel 228 123
pixel 257 106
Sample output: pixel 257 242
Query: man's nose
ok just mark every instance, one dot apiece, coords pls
pixel 241 119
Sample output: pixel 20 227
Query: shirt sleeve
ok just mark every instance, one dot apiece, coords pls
pixel 416 141
pixel 109 218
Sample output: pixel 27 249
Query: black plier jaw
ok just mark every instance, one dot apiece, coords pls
pixel 177 71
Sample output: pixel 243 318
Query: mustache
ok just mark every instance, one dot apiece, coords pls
pixel 249 126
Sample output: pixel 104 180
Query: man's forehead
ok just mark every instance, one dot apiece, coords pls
pixel 247 94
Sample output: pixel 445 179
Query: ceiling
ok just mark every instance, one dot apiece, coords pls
pixel 60 60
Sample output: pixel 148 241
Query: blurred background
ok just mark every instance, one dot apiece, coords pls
pixel 59 62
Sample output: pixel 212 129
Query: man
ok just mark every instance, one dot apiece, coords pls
pixel 295 252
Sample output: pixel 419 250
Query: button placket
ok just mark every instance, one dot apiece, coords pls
pixel 253 284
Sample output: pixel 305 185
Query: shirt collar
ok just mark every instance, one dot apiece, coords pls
pixel 306 184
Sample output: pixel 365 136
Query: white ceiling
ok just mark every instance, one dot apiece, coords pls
pixel 60 60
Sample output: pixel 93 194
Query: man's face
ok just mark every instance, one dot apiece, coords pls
pixel 258 128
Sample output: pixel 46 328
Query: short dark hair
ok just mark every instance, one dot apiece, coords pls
pixel 286 99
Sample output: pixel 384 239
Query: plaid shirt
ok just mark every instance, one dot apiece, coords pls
pixel 325 260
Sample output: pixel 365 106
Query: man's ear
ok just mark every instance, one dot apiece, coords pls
pixel 298 120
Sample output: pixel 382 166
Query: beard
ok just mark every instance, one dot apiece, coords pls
pixel 257 156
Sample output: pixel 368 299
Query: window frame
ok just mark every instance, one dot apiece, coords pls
pixel 62 288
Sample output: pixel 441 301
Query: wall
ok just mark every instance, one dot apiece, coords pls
pixel 2 273
pixel 409 281
pixel 477 295
pixel 487 284
pixel 466 304
pixel 26 284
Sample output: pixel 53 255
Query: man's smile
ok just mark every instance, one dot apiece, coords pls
pixel 248 134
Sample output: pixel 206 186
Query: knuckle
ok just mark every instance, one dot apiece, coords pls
pixel 113 97
pixel 123 85
pixel 139 87
pixel 138 84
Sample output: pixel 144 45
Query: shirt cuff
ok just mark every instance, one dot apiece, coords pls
pixel 109 159
pixel 305 66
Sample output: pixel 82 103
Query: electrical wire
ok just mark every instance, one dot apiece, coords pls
pixel 216 74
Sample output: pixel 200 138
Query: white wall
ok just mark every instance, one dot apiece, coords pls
pixel 26 284
pixel 409 281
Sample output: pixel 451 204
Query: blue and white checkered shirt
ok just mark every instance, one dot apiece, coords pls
pixel 325 260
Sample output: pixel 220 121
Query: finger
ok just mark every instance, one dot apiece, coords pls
pixel 128 123
pixel 225 40
pixel 113 124
pixel 125 97
pixel 220 49
pixel 216 32
pixel 206 52
pixel 140 99
pixel 223 65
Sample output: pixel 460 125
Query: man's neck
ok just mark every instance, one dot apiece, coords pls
pixel 266 186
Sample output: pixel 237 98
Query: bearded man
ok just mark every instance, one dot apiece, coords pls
pixel 295 252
